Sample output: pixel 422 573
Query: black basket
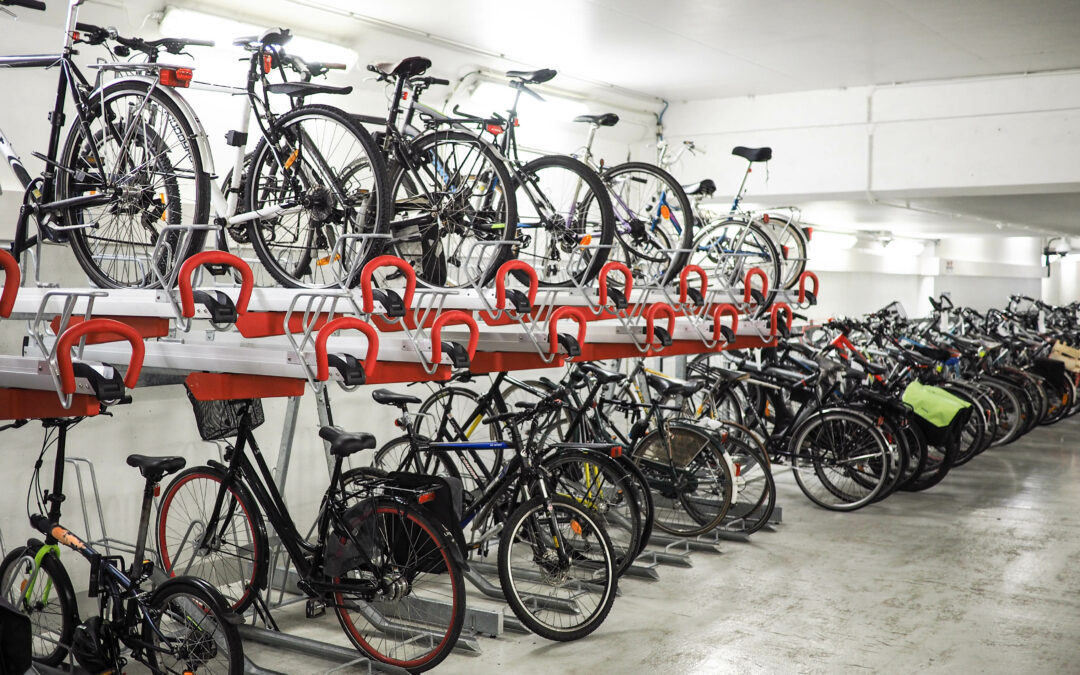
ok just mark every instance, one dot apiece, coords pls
pixel 943 436
pixel 218 420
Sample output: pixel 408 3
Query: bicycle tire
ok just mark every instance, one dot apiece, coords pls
pixel 560 218
pixel 756 494
pixel 791 243
pixel 727 249
pixel 15 571
pixel 845 453
pixel 337 184
pixel 598 583
pixel 184 607
pixel 641 241
pixel 426 564
pixel 430 235
pixel 241 543
pixel 113 236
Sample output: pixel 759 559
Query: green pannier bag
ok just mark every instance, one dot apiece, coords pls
pixel 934 404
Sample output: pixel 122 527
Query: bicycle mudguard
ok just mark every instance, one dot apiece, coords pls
pixel 220 606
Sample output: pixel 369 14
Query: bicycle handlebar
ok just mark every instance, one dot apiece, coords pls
pixel 28 4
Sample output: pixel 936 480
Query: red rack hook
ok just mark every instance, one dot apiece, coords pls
pixel 504 271
pixel 802 285
pixel 628 279
pixel 565 312
pixel 187 270
pixel 112 331
pixel 684 278
pixel 776 309
pixel 387 261
pixel 719 312
pixel 322 373
pixel 650 320
pixel 11 283
pixel 755 272
pixel 453 316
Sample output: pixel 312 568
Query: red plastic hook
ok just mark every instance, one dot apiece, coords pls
pixel 802 285
pixel 453 316
pixel 684 278
pixel 628 279
pixel 575 313
pixel 187 270
pixel 112 331
pixel 650 320
pixel 504 271
pixel 719 312
pixel 776 309
pixel 387 261
pixel 343 323
pixel 755 272
pixel 11 283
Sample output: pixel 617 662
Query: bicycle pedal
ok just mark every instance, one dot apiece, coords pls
pixel 314 608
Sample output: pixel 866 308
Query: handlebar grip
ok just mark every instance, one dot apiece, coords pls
pixel 199 43
pixel 439 80
pixel 29 4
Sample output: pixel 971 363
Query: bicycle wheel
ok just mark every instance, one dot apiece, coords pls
pixel 457 414
pixel 840 449
pixel 327 173
pixel 557 550
pixel 414 618
pixel 140 147
pixel 654 220
pixel 689 476
pixel 790 241
pixel 189 633
pixel 234 557
pixel 454 217
pixel 45 594
pixel 565 221
pixel 1010 410
pixel 598 483
pixel 728 249
pixel 755 493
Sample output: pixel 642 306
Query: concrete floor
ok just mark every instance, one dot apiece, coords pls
pixel 980 574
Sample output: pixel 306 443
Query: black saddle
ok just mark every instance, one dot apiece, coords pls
pixel 343 443
pixel 301 89
pixel 668 387
pixel 603 119
pixel 405 68
pixel 156 468
pixel 387 397
pixel 753 154
pixel 533 76
pixel 272 37
pixel 602 375
pixel 705 187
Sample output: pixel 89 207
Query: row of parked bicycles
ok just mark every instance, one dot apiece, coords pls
pixel 315 191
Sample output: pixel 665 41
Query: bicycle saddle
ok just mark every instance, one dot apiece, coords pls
pixel 343 443
pixel 602 375
pixel 156 468
pixel 705 187
pixel 387 397
pixel 603 119
pixel 668 387
pixel 753 154
pixel 533 76
pixel 299 89
pixel 405 68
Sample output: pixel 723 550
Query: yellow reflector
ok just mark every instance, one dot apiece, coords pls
pixel 163 211
pixel 292 158
pixel 322 262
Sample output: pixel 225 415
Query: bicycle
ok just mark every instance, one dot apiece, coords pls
pixel 380 559
pixel 182 625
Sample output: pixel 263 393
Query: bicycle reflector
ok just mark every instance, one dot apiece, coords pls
pixel 616 451
pixel 426 497
pixel 495 129
pixel 175 77
pixel 765 218
pixel 268 62
pixel 586 240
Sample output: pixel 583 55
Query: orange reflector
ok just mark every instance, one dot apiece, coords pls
pixel 494 129
pixel 322 262
pixel 22 586
pixel 586 240
pixel 616 451
pixel 292 158
pixel 665 212
pixel 175 77
pixel 426 497
pixel 164 212
pixel 738 470
pixel 576 527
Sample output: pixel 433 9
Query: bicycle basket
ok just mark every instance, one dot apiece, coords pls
pixel 218 420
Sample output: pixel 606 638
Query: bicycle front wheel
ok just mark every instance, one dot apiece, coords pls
pixel 325 176
pixel 140 148
pixel 557 568
pixel 730 248
pixel 189 633
pixel 454 214
pixel 840 460
pixel 45 594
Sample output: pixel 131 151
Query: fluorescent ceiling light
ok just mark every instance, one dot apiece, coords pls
pixel 490 97
pixel 180 22
pixel 834 240
pixel 905 247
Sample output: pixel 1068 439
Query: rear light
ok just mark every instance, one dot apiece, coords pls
pixel 157 490
pixel 75 35
pixel 426 497
pixel 404 96
pixel 786 250
pixel 175 77
pixel 268 63
pixel 809 233
pixel 765 219
pixel 616 451
pixel 495 129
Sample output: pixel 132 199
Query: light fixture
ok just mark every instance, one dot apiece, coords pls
pixel 181 22
pixel 834 240
pixel 905 247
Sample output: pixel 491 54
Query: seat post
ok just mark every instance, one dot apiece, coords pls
pixel 742 186
pixel 589 141
pixel 144 526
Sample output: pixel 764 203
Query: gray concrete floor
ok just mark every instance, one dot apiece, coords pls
pixel 980 574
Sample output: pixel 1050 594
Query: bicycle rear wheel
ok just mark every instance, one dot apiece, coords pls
pixel 791 243
pixel 840 460
pixel 730 248
pixel 190 632
pixel 561 553
pixel 328 174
